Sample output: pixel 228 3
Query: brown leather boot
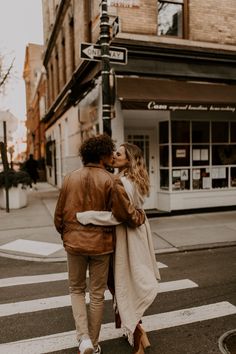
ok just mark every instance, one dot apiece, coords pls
pixel 140 340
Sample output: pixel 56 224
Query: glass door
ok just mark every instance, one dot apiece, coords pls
pixel 146 141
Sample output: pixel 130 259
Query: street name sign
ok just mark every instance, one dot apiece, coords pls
pixel 124 3
pixel 91 51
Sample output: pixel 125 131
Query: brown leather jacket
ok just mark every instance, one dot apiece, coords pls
pixel 92 188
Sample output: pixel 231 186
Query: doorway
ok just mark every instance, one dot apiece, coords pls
pixel 146 140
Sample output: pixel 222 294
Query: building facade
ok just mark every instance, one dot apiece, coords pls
pixel 175 96
pixel 35 85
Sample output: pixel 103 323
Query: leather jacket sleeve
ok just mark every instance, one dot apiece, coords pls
pixel 123 209
pixel 58 215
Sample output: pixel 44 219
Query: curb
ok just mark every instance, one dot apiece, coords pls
pixel 32 258
pixel 161 251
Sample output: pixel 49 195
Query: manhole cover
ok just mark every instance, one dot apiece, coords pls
pixel 227 342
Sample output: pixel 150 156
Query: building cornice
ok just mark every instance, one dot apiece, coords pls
pixel 178 42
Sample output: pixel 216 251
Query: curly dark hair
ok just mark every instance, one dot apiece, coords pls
pixel 95 148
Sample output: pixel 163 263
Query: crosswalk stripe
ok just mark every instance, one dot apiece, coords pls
pixel 33 279
pixel 62 301
pixel 43 278
pixel 66 340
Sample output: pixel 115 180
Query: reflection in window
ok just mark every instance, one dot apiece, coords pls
pixel 170 18
pixel 201 178
pixel 223 154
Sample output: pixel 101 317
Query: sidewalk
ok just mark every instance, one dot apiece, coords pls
pixel 29 233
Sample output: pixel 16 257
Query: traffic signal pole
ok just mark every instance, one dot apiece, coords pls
pixel 105 55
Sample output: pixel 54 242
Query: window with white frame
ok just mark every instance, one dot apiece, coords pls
pixel 170 21
pixel 200 156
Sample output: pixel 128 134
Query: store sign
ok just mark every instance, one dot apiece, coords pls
pixel 124 3
pixel 153 105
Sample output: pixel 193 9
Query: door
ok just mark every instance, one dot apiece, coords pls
pixel 146 140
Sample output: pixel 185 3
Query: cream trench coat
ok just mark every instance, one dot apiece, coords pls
pixel 136 273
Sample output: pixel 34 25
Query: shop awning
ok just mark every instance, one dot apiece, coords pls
pixel 157 94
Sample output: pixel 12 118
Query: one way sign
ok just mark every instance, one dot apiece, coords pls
pixel 91 51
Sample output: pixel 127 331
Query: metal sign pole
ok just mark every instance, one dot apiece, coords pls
pixel 105 55
pixel 3 147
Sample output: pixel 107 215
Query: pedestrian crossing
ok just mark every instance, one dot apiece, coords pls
pixel 62 301
pixel 66 340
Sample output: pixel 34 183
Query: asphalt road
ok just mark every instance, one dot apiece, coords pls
pixel 196 305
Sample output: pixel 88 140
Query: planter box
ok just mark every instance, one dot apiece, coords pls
pixel 17 197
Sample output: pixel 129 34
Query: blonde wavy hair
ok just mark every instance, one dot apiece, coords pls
pixel 136 170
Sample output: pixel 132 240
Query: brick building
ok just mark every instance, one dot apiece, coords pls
pixel 175 97
pixel 35 86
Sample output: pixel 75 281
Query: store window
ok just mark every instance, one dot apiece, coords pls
pixel 164 143
pixel 180 132
pixel 180 179
pixel 171 18
pixel 220 132
pixel 219 177
pixel 233 177
pixel 224 154
pixel 164 133
pixel 233 132
pixel 200 156
pixel 164 179
pixel 164 156
pixel 201 178
pixel 180 155
pixel 200 132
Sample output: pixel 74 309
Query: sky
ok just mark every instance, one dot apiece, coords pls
pixel 20 23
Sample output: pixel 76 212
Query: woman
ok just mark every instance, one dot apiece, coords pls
pixel 135 269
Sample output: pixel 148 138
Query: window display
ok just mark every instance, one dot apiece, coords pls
pixel 201 178
pixel 180 179
pixel 219 177
pixel 206 161
pixel 200 155
pixel 233 176
pixel 180 155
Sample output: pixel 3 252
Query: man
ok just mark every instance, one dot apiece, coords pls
pixel 31 166
pixel 91 187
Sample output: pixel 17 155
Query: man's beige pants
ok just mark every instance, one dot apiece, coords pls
pixel 88 323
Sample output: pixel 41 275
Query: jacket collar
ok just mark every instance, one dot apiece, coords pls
pixel 98 165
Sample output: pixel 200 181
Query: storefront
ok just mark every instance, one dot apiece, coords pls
pixel 187 131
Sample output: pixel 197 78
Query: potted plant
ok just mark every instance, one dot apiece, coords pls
pixel 16 182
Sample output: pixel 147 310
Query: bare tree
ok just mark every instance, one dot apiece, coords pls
pixel 5 72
